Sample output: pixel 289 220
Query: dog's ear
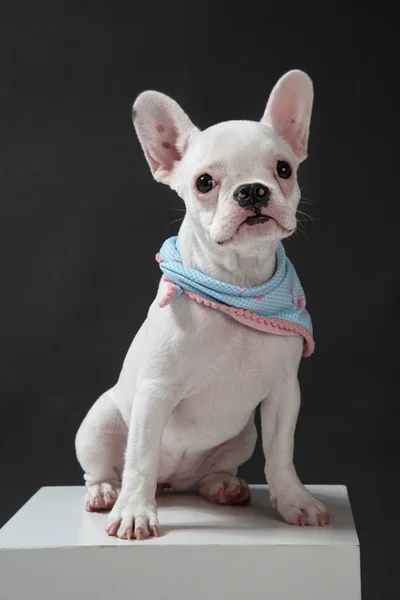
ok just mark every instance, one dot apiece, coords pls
pixel 164 131
pixel 289 108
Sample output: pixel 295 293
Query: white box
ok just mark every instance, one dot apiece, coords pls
pixel 53 550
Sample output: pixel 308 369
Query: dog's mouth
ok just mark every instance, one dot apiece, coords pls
pixel 256 220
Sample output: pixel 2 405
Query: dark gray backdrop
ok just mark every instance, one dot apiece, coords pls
pixel 81 220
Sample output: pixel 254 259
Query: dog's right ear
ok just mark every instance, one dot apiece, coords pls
pixel 289 109
pixel 164 131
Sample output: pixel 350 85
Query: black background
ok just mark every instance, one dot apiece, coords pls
pixel 81 221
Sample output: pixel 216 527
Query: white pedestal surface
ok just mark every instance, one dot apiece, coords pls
pixel 53 550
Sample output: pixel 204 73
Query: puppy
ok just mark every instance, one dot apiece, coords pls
pixel 226 331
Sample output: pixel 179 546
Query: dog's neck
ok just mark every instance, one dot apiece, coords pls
pixel 226 264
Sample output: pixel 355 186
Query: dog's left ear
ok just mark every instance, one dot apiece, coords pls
pixel 289 109
pixel 164 131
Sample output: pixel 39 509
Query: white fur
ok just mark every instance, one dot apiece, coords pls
pixel 182 411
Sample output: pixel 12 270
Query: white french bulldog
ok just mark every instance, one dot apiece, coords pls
pixel 182 412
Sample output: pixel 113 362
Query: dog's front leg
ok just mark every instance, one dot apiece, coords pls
pixel 135 513
pixel 278 419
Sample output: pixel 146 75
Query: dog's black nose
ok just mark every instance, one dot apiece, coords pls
pixel 252 196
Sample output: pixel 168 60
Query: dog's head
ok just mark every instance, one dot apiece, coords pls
pixel 238 179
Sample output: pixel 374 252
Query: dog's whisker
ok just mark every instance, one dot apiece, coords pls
pixel 304 221
pixel 306 216
pixel 301 229
pixel 304 187
pixel 176 221
pixel 298 214
pixel 304 200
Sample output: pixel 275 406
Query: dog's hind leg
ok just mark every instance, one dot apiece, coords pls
pixel 221 485
pixel 100 445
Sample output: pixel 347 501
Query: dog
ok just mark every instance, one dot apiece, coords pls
pixel 181 414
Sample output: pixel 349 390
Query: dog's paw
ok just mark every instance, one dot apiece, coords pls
pixel 300 508
pixel 225 490
pixel 132 520
pixel 101 496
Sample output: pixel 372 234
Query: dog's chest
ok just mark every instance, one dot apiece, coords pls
pixel 229 360
pixel 230 369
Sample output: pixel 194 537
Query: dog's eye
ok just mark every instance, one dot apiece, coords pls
pixel 283 169
pixel 205 183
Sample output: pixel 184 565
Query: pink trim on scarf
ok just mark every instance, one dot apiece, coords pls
pixel 246 317
pixel 266 324
pixel 172 290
